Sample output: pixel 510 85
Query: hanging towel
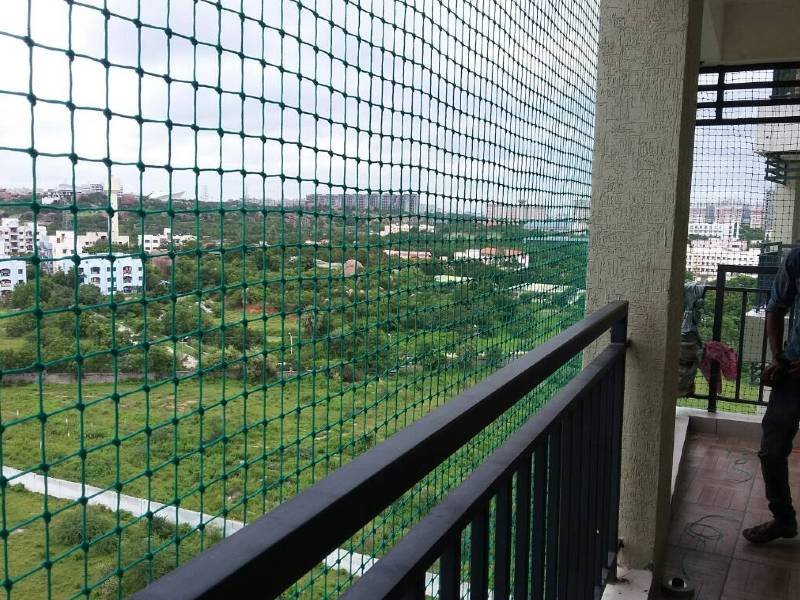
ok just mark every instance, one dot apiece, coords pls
pixel 717 352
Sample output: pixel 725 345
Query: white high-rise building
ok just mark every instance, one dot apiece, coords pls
pixel 16 237
pixel 65 244
pixel 151 243
pixel 704 256
pixel 12 274
pixel 125 275
pixel 716 230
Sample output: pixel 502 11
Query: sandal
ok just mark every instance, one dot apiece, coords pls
pixel 769 531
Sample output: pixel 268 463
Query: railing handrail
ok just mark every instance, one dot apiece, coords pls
pixel 298 534
pixel 426 541
pixel 748 269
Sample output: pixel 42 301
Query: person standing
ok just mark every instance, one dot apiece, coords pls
pixel 691 344
pixel 782 418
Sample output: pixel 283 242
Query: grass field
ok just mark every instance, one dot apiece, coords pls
pixel 210 443
pixel 9 341
pixel 287 440
pixel 747 391
pixel 214 446
pixel 73 570
pixel 35 542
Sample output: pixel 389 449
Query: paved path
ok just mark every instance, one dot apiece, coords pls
pixel 70 490
pixel 340 559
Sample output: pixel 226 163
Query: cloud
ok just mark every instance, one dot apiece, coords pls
pixel 483 105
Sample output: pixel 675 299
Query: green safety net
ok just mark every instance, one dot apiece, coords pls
pixel 245 241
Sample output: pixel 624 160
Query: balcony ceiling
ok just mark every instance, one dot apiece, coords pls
pixel 750 31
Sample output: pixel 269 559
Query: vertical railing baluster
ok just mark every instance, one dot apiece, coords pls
pixel 742 323
pixel 522 530
pixel 502 542
pixel 479 555
pixel 719 305
pixel 553 512
pixel 539 520
pixel 585 522
pixel 450 571
pixel 592 499
pixel 764 347
pixel 569 544
pixel 565 514
pixel 415 589
pixel 606 428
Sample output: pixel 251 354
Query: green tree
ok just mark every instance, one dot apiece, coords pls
pixel 751 234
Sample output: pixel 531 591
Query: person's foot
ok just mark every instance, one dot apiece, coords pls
pixel 769 531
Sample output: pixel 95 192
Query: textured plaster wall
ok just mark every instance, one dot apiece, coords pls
pixel 648 61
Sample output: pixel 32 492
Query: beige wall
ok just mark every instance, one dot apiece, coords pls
pixel 786 216
pixel 750 31
pixel 648 61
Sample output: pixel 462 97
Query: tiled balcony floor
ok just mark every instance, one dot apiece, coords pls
pixel 720 492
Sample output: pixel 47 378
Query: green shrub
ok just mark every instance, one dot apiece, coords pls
pixel 69 528
pixel 351 374
pixel 163 528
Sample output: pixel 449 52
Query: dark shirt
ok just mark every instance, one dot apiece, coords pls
pixel 783 296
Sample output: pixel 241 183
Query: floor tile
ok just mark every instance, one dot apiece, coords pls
pixel 705 572
pixel 705 529
pixel 719 493
pixel 783 553
pixel 756 581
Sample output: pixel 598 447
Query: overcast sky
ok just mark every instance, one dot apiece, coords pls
pixel 478 105
pixel 727 166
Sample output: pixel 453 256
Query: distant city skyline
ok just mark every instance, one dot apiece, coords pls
pixel 388 119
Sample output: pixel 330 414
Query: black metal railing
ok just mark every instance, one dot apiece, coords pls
pixel 739 321
pixel 561 540
pixel 541 510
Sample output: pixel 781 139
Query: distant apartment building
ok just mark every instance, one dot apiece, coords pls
pixel 16 238
pixel 12 274
pixel 715 230
pixel 409 254
pixel 704 256
pixel 381 203
pixel 66 191
pixel 752 216
pixel 571 219
pixel 124 275
pixel 701 213
pixel 494 255
pixel 151 243
pixel 394 228
pixel 400 227
pixel 728 212
pixel 65 244
pixel 15 193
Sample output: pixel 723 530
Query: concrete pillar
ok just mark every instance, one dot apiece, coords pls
pixel 785 216
pixel 646 95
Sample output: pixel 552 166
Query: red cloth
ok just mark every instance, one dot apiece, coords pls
pixel 717 352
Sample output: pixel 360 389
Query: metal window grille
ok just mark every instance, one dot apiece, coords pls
pixel 744 208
